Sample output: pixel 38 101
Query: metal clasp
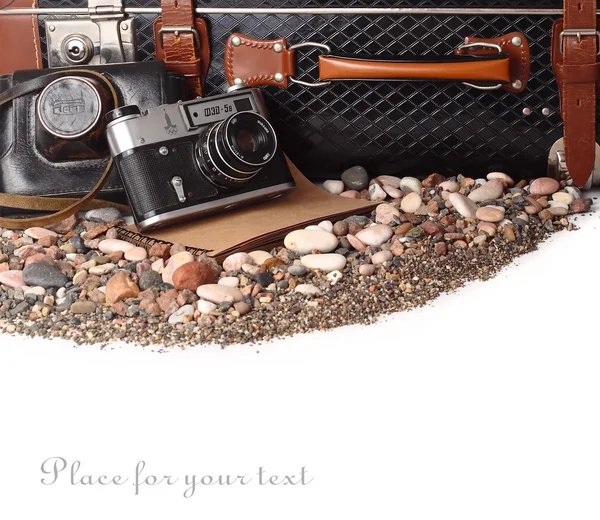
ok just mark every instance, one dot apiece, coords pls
pixel 579 33
pixel 322 46
pixel 485 45
pixel 176 31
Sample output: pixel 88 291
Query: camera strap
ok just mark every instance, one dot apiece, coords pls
pixel 63 207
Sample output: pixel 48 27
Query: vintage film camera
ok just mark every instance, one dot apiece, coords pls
pixel 191 158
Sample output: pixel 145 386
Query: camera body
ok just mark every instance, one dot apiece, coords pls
pixel 197 157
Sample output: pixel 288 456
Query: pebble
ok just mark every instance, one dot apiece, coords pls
pixel 326 225
pixel 206 307
pixel 136 254
pixel 191 275
pixel 250 269
pixel 297 270
pixel 410 184
pixel 381 257
pixel 334 187
pixel 219 293
pixel 242 307
pixel 307 289
pixel 558 209
pixel 490 190
pixel 411 202
pixel 450 186
pixel 375 235
pixel 12 278
pixel 174 263
pixel 544 186
pixel 236 261
pixel 105 215
pixel 376 193
pixel 581 205
pixel 389 180
pixel 490 214
pixel 503 177
pixel 355 178
pixel 149 279
pixel 573 190
pixel 304 241
pixel 39 232
pixel 34 291
pixel 335 276
pixel 340 228
pixel 120 287
pixel 79 277
pixel 386 214
pixel 44 275
pixel 99 270
pixel 355 243
pixel 83 307
pixel 229 281
pixel 465 206
pixel 324 262
pixel 112 245
pixel 260 257
pixel 367 269
pixel 564 197
pixel 350 194
pixel 394 193
pixel 487 228
pixel 180 314
pixel 433 180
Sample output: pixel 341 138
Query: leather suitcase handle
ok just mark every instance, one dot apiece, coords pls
pixel 487 64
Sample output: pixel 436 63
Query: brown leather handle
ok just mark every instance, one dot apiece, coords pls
pixel 492 69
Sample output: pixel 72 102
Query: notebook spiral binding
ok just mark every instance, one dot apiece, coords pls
pixel 147 242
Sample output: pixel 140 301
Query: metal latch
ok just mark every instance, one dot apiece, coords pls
pixel 108 36
pixel 557 164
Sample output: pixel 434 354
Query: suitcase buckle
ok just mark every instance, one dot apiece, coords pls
pixel 579 33
pixel 180 30
pixel 480 45
pixel 321 46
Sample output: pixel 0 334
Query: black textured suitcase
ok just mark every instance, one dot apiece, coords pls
pixel 401 128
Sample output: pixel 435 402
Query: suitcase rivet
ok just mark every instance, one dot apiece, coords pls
pixel 124 27
pixel 517 42
pixel 52 28
pixel 278 47
pixel 278 77
pixel 238 81
pixel 527 111
pixel 546 111
pixel 236 42
pixel 517 84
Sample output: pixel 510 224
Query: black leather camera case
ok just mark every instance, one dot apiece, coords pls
pixel 26 171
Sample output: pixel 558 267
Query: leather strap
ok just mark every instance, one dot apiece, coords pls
pixel 574 58
pixel 64 207
pixel 20 38
pixel 183 43
pixel 499 62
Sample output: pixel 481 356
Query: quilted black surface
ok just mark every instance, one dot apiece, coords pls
pixel 396 128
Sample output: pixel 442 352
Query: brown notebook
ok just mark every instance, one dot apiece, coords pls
pixel 259 226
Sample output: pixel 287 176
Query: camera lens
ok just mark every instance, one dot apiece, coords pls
pixel 235 149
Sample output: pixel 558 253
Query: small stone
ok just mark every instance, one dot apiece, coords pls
pixel 375 235
pixel 160 250
pixel 355 178
pixel 83 307
pixel 463 205
pixel 544 186
pixel 39 232
pixel 48 241
pixel 297 270
pixel 433 180
pixel 307 289
pixel 502 177
pixel 340 228
pixel 250 269
pixel 334 276
pixel 34 291
pixel 558 209
pixel 575 191
pixel 376 193
pixel 581 205
pixel 206 307
pixel 12 278
pixel 411 202
pixel 260 257
pixel 440 249
pixel 136 254
pixel 394 193
pixel 480 239
pixel 490 214
pixel 219 293
pixel 175 262
pixel 389 180
pixel 234 262
pixel 229 281
pixel 191 275
pixel 381 257
pixel 487 227
pixel 264 279
pixel 386 214
pixel 509 233
pixel 304 241
pixel 564 197
pixel 334 187
pixel 65 226
pixel 450 186
pixel 350 194
pixel 326 225
pixel 324 262
pixel 44 275
pixel 432 228
pixel 242 307
pixel 99 270
pixel 149 279
pixel 410 184
pixel 105 215
pixel 490 190
pixel 415 232
pixel 367 269
pixel 355 243
pixel 120 287
pixel 112 245
pixel 180 314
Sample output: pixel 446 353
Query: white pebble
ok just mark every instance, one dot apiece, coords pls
pixel 335 187
pixel 307 289
pixel 375 235
pixel 206 307
pixel 326 262
pixel 411 202
pixel 395 193
pixel 564 197
pixel 136 254
pixel 304 241
pixel 112 245
pixel 376 193
pixel 381 257
pixel 465 206
pixel 327 225
pixel 335 276
pixel 260 257
pixel 229 281
pixel 410 184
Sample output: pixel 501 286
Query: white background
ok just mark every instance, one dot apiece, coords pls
pixel 484 405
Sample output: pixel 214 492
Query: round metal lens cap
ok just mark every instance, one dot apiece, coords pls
pixel 70 107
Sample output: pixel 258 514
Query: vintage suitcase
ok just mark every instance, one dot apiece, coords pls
pixel 399 128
